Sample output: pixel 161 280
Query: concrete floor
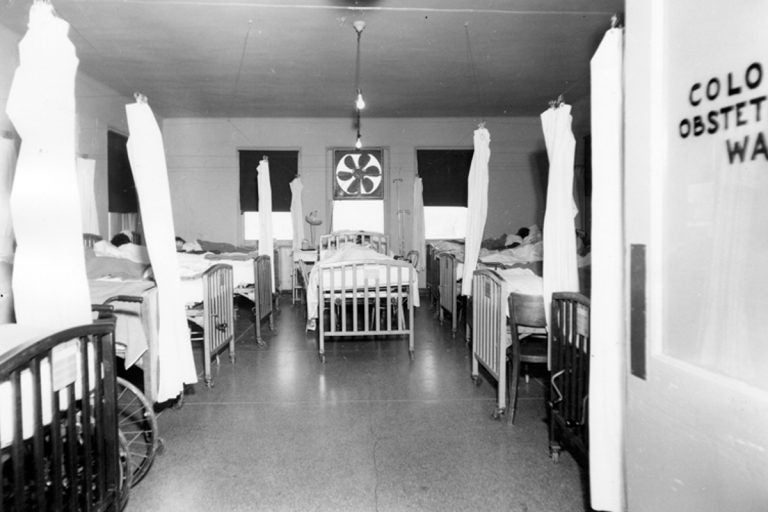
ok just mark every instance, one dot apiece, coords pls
pixel 369 430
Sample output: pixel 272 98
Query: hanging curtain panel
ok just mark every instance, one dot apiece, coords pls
pixel 297 213
pixel 607 362
pixel 417 229
pixel 86 174
pixel 147 158
pixel 559 237
pixel 7 165
pixel 477 206
pixel 266 240
pixel 44 200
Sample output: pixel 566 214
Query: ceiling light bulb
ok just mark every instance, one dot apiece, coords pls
pixel 359 143
pixel 359 102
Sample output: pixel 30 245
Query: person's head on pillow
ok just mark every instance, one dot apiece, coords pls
pixel 180 243
pixel 523 232
pixel 120 239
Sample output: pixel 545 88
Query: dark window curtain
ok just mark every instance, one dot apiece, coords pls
pixel 444 174
pixel 121 188
pixel 283 167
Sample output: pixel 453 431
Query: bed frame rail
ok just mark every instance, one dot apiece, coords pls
pixel 218 316
pixel 365 298
pixel 263 305
pixel 570 374
pixel 433 275
pixel 489 331
pixel 449 289
pixel 62 449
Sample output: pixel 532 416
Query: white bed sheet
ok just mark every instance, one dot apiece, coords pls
pixel 192 265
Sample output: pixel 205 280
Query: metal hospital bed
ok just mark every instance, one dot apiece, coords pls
pixel 569 382
pixel 60 446
pixel 260 294
pixel 363 297
pixel 214 316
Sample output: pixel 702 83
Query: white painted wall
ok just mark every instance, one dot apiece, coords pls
pixel 203 165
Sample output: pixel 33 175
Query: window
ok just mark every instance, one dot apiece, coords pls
pixel 444 174
pixel 121 188
pixel 283 167
pixel 358 190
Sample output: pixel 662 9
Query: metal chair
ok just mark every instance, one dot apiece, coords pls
pixel 527 326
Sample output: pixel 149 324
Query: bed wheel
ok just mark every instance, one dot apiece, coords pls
pixel 476 380
pixel 411 354
pixel 322 358
pixel 209 383
pixel 498 413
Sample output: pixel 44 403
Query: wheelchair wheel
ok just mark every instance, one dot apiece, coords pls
pixel 138 423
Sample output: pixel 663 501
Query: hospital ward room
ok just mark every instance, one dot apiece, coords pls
pixel 383 255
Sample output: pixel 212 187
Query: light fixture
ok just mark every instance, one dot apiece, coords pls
pixel 359 101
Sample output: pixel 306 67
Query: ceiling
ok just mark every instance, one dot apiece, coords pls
pixel 296 58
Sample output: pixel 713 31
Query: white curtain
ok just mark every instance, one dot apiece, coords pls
pixel 417 229
pixel 559 233
pixel 86 174
pixel 477 205
pixel 607 362
pixel 44 200
pixel 7 164
pixel 297 213
pixel 266 242
pixel 147 157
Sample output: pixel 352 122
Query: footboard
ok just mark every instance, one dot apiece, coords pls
pixel 262 295
pixel 218 315
pixel 365 298
pixel 59 444
pixel 489 331
pixel 570 373
pixel 449 289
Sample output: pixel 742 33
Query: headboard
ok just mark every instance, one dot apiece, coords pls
pixel 89 239
pixel 376 241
